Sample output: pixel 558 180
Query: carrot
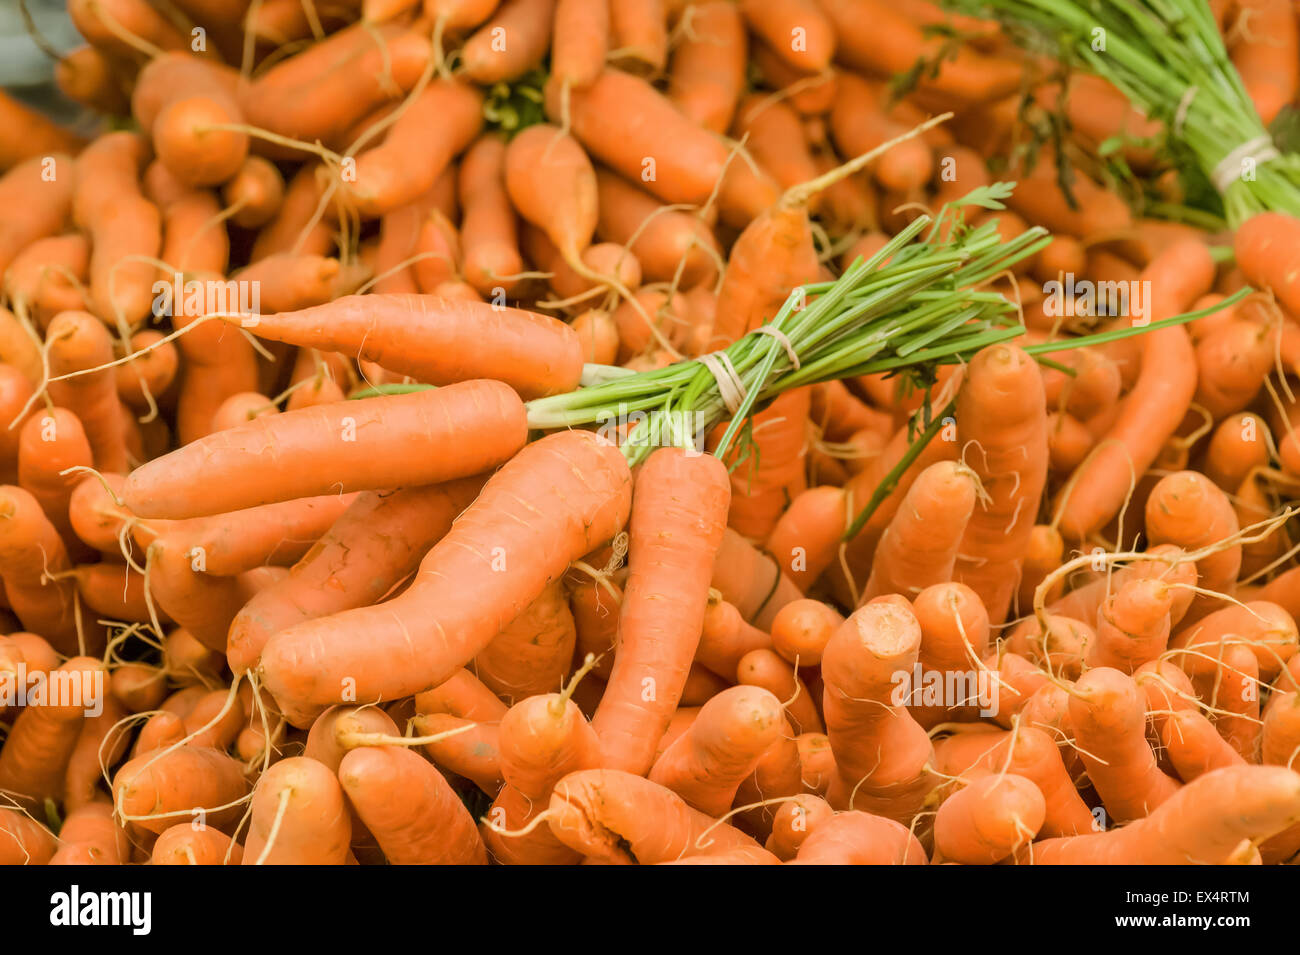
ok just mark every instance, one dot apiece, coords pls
pixel 676 528
pixel 794 822
pixel 255 193
pixel 181 102
pixel 1188 510
pixel 880 751
pixel 93 78
pixel 1026 751
pixel 989 819
pixel 725 638
pixel 38 194
pixel 625 122
pixel 292 228
pixel 617 817
pixel 1265 51
pixel 860 124
pixel 751 580
pixel 772 255
pixel 579 41
pixel 876 37
pixel 860 838
pixel 1008 457
pixel 203 604
pixel 774 137
pixel 218 363
pixel 1236 447
pixel 138 687
pixel 426 824
pixel 49 444
pixel 580 498
pixel 806 538
pixel 795 29
pixel 30 547
pixel 187 661
pixel 1151 411
pixel 707 74
pixel 23 840
pixel 79 342
pixel 1109 722
pixel 802 629
pixel 527 25
pixel 489 236
pixel 1263 247
pixel 439 123
pixel 764 669
pixel 45 275
pixel 376 542
pixel 1097 211
pixel 224 545
pixel 100 745
pixel 30 134
pixel 532 653
pixel 324 90
pixel 103 22
pixel 122 223
pixel 438 341
pixel 541 164
pixel 1194 746
pixel 182 844
pixel 299 816
pixel 954 636
pixel 239 455
pixel 472 753
pixel 921 543
pixel 773 472
pixel 1205 823
pixel 1232 362
pixel 41 743
pixel 639 34
pixel 664 240
pixel 1132 626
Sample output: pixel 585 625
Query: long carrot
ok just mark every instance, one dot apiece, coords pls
pixel 502 552
pixel 1151 411
pixel 678 514
pixel 438 341
pixel 1205 823
pixel 332 448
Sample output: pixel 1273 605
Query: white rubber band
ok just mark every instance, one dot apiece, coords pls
pixel 785 342
pixel 1260 149
pixel 730 387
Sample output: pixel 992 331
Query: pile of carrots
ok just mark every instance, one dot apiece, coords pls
pixel 339 617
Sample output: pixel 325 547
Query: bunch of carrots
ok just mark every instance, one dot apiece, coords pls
pixel 303 564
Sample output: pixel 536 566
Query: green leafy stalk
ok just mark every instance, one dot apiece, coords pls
pixel 1168 58
pixel 915 304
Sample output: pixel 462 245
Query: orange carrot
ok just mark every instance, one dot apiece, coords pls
pixel 707 73
pixel 860 838
pixel 438 341
pixel 299 816
pixel 880 751
pixel 989 819
pixel 921 543
pixel 1110 728
pixel 314 438
pixel 675 536
pixel 1152 410
pixel 1204 823
pixel 579 498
